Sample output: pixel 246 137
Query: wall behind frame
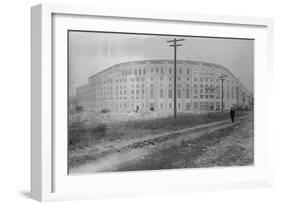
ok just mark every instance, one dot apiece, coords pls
pixel 15 101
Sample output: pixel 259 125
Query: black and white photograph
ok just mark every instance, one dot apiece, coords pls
pixel 139 102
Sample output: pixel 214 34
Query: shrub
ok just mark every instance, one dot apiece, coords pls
pixel 105 110
pixel 100 129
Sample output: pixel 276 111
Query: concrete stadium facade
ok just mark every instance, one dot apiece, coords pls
pixel 148 85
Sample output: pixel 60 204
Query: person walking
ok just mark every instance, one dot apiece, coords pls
pixel 232 114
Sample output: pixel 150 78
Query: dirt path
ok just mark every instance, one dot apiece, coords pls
pixel 111 156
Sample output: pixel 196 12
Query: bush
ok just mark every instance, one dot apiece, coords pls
pixel 105 110
pixel 86 136
pixel 100 129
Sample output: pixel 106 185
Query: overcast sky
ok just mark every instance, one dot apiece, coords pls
pixel 91 52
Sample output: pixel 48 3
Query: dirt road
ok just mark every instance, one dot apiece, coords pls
pixel 216 144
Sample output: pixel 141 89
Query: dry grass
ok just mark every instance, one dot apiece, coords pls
pixel 232 146
pixel 81 136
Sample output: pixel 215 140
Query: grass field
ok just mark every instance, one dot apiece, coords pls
pixel 80 136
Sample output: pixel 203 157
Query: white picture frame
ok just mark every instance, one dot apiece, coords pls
pixel 49 180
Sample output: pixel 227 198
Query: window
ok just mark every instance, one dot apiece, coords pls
pixel 162 70
pixel 187 106
pixel 201 89
pixel 170 94
pixel 179 93
pixel 195 105
pixel 161 105
pixel 151 107
pixel 211 106
pixel 179 105
pixel 161 93
pixel 187 93
pixel 227 92
pixel 202 106
pixel 170 70
pixel 217 105
pixel 195 89
pixel 180 70
pixel 151 93
pixel 217 92
pixel 170 105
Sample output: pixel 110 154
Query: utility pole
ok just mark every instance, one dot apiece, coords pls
pixel 175 45
pixel 222 78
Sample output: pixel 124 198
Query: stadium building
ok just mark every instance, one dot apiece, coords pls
pixel 148 85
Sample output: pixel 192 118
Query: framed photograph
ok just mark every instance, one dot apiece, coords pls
pixel 137 102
